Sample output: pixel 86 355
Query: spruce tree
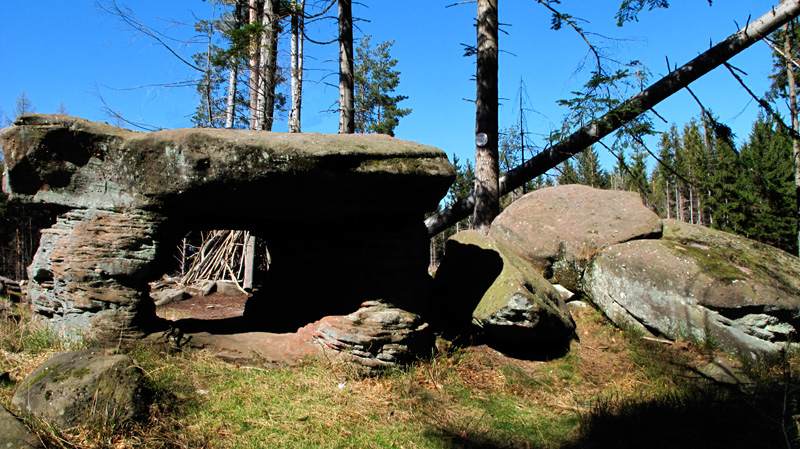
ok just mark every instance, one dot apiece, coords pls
pixel 376 109
pixel 769 186
pixel 589 172
pixel 567 174
pixel 663 177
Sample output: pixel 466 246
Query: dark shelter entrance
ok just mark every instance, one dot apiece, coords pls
pixel 341 215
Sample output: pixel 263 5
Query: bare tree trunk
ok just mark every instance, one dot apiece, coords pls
pixel 267 65
pixel 346 86
pixel 668 207
pixel 589 134
pixel 298 21
pixel 487 187
pixel 256 8
pixel 209 104
pixel 271 75
pixel 788 30
pixel 230 107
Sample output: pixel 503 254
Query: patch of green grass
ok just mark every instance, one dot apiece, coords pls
pixel 611 390
pixel 34 336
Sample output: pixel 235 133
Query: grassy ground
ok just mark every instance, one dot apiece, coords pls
pixel 611 390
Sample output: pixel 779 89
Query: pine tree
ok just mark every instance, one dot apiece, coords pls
pixel 784 86
pixel 663 177
pixel 376 109
pixel 567 174
pixel 692 162
pixel 769 186
pixel 727 185
pixel 587 166
pixel 638 174
pixel 619 177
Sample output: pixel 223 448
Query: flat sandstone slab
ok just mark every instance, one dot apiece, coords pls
pixel 74 162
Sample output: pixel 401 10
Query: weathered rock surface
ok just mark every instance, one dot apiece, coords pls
pixel 86 387
pixel 168 295
pixel 228 288
pixel 700 284
pixel 203 287
pixel 14 434
pixel 516 308
pixel 375 336
pixel 559 229
pixel 92 268
pixel 340 214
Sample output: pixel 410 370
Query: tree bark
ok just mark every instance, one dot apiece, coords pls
pixel 230 107
pixel 298 21
pixel 268 65
pixel 346 86
pixel 589 134
pixel 788 31
pixel 487 187
pixel 256 8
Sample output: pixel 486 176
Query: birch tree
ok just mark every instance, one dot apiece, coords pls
pixel 297 38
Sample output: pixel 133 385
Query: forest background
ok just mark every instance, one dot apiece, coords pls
pixel 78 59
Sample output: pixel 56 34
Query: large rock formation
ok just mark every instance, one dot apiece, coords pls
pixel 559 230
pixel 665 278
pixel 701 284
pixel 517 310
pixel 341 215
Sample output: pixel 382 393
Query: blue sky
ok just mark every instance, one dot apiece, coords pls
pixel 70 52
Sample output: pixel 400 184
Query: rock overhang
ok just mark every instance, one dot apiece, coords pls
pixel 342 215
pixel 73 162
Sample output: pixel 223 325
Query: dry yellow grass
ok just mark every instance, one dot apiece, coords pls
pixel 463 397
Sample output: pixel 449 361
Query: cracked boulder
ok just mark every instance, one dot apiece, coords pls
pixel 703 285
pixel 559 229
pixel 375 336
pixel 517 310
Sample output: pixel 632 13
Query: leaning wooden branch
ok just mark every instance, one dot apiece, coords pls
pixel 625 112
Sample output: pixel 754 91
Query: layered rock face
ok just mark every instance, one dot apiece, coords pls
pixel 341 215
pixel 666 278
pixel 703 285
pixel 91 269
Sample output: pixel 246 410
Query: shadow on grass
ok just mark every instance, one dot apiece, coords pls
pixel 711 417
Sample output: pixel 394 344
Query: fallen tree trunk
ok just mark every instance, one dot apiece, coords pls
pixel 630 109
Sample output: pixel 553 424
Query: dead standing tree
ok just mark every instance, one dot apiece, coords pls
pixel 347 124
pixel 638 104
pixel 487 197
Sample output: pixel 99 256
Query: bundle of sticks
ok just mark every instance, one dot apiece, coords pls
pixel 221 256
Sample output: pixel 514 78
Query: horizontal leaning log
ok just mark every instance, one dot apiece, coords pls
pixel 625 112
